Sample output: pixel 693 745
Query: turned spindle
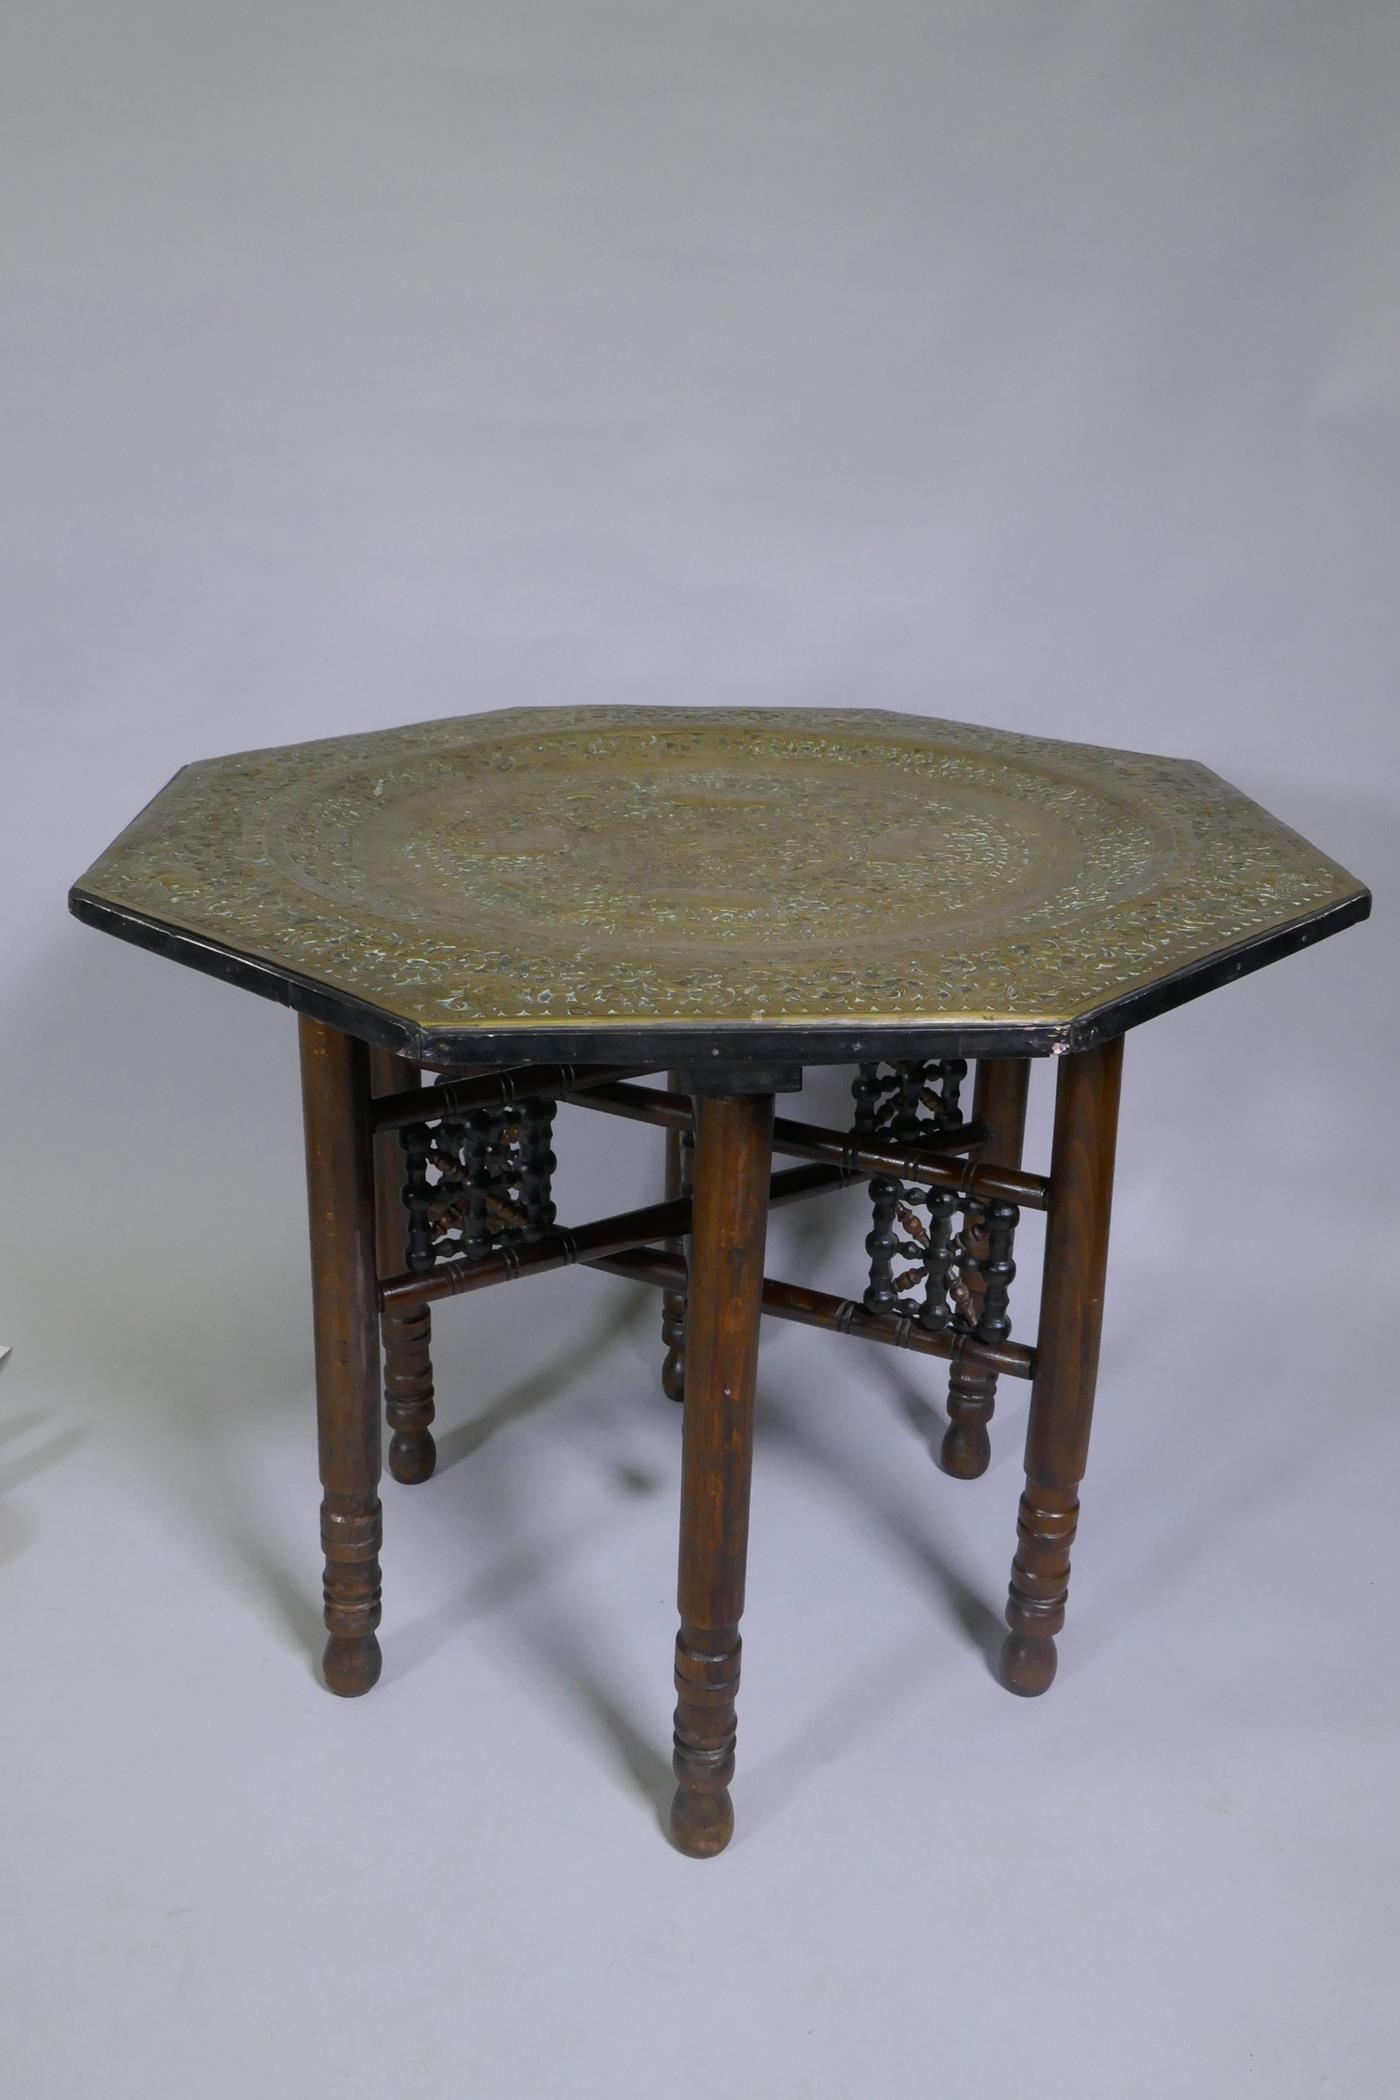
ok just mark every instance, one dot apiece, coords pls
pixel 404 1238
pixel 341 1207
pixel 1067 1357
pixel 537 1163
pixel 999 1106
pixel 882 1244
pixel 734 1144
pixel 680 1159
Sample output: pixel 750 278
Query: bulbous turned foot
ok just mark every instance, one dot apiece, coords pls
pixel 351 1668
pixel 702 1821
pixel 966 1451
pixel 673 1376
pixel 1027 1667
pixel 412 1455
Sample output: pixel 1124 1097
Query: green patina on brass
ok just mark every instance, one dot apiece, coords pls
pixel 547 867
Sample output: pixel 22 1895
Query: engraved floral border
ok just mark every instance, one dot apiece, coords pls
pixel 197 859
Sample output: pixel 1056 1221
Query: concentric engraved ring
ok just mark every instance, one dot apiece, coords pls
pixel 602 844
pixel 590 869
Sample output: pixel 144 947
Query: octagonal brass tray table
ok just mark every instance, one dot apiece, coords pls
pixel 547 904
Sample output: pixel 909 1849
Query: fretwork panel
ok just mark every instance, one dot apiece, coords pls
pixel 958 1275
pixel 477 1182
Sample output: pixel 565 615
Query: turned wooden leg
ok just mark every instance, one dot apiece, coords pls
pixel 335 1088
pixel 406 1333
pixel 734 1147
pixel 680 1152
pixel 1067 1358
pixel 999 1104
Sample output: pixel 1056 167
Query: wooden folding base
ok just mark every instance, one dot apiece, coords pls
pixel 718 1195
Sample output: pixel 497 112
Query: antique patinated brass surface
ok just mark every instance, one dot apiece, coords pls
pixel 606 870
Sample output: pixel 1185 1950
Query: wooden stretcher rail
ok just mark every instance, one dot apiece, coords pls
pixel 559 1249
pixel 791 1301
pixel 933 1168
pixel 426 1104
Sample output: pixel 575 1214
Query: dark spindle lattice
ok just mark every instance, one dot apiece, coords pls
pixel 537 1164
pixel 417 1198
pixel 958 1280
pixel 478 1182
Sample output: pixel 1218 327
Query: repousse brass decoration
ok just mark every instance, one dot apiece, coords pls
pixel 616 865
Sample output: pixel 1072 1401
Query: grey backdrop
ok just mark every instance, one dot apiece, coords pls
pixel 1037 365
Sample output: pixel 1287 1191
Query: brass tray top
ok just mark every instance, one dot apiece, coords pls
pixel 550 876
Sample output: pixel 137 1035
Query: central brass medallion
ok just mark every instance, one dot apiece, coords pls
pixel 560 853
